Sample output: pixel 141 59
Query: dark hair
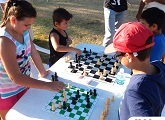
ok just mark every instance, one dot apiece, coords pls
pixel 60 14
pixel 154 16
pixel 18 8
pixel 143 54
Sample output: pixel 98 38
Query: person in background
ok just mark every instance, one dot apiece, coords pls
pixel 144 95
pixel 153 18
pixel 151 3
pixel 2 3
pixel 114 11
pixel 16 50
pixel 58 38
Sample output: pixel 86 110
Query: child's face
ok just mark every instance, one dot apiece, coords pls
pixel 63 25
pixel 23 25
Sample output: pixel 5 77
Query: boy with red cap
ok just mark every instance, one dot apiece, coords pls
pixel 145 92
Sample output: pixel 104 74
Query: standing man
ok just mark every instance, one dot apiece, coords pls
pixel 114 11
pixel 151 3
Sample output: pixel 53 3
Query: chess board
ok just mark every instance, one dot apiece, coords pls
pixel 88 60
pixel 79 110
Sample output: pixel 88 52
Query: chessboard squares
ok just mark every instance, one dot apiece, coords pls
pixel 86 63
pixel 108 80
pixel 96 76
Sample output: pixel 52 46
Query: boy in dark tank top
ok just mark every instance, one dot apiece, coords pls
pixel 58 39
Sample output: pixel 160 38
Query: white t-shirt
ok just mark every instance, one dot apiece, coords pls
pixel 156 4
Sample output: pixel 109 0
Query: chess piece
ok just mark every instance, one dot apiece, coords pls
pixel 73 100
pixel 112 71
pixel 101 76
pixel 112 98
pixel 104 72
pixel 64 105
pixel 98 72
pixel 59 105
pixel 88 105
pixel 84 72
pixel 69 109
pixel 71 66
pixel 85 50
pixel 69 86
pixel 78 93
pixel 98 62
pixel 94 93
pixel 53 106
pixel 55 76
pixel 90 92
pixel 65 59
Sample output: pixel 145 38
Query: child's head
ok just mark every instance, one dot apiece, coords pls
pixel 133 40
pixel 153 18
pixel 61 18
pixel 17 11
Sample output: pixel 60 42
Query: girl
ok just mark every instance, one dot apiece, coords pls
pixel 16 49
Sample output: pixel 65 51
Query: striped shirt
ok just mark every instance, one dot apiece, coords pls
pixel 7 87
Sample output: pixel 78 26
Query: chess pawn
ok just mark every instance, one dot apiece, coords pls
pixel 98 62
pixel 64 93
pixel 53 106
pixel 112 70
pixel 104 73
pixel 70 56
pixel 65 59
pixel 118 63
pixel 84 74
pixel 59 105
pixel 101 76
pixel 115 64
pixel 69 86
pixel 98 72
pixel 112 98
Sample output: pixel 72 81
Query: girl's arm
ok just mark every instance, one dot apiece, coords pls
pixel 8 58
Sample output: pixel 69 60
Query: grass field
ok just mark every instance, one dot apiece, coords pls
pixel 87 25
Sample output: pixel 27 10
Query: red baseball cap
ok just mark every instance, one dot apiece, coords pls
pixel 129 38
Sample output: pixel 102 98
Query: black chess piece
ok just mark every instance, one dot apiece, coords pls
pixel 64 105
pixel 88 99
pixel 94 93
pixel 90 92
pixel 88 105
pixel 71 66
pixel 53 79
pixel 55 76
pixel 73 100
pixel 90 51
pixel 85 50
pixel 78 93
pixel 69 109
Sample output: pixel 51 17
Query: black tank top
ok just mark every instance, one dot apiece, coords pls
pixel 54 55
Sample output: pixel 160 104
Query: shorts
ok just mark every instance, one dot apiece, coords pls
pixel 8 103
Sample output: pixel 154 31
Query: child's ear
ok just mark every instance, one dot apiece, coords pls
pixel 129 57
pixel 56 23
pixel 155 26
pixel 12 20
